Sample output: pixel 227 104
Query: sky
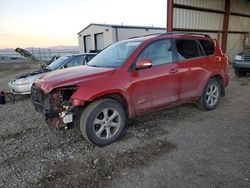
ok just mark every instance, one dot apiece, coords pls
pixel 46 23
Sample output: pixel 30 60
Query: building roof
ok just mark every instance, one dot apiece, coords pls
pixel 123 26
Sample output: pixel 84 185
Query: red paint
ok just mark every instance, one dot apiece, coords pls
pixel 146 89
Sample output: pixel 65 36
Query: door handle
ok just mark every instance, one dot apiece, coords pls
pixel 172 71
pixel 205 65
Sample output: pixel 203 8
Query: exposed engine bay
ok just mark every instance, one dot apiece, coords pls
pixel 56 106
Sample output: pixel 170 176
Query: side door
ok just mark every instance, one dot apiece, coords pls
pixel 192 64
pixel 156 86
pixel 76 61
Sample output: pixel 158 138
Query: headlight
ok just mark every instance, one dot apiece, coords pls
pixel 22 81
pixel 238 58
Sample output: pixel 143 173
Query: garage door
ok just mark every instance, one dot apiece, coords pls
pixel 99 41
pixel 87 43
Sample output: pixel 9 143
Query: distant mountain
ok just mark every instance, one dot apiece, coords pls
pixel 64 47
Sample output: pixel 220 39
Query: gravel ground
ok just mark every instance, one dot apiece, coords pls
pixel 178 147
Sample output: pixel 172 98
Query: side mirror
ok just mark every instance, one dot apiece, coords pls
pixel 143 64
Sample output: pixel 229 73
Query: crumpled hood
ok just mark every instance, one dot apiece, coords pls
pixel 71 76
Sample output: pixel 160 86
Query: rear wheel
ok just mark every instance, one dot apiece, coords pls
pixel 211 95
pixel 103 121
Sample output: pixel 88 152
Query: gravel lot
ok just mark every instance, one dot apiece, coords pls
pixel 178 147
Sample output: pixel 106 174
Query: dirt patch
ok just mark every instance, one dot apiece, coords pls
pixel 99 172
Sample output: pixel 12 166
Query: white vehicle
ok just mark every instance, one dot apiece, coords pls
pixel 22 84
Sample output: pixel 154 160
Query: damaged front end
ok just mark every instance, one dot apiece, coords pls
pixel 56 106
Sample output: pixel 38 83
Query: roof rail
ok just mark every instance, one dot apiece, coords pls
pixel 145 35
pixel 185 33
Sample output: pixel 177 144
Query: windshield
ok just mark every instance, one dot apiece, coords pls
pixel 114 55
pixel 58 63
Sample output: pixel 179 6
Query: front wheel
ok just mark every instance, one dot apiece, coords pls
pixel 103 121
pixel 211 95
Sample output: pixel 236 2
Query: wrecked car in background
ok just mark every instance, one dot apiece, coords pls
pixel 241 63
pixel 130 78
pixel 22 84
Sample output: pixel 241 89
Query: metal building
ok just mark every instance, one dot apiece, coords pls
pixel 228 21
pixel 95 37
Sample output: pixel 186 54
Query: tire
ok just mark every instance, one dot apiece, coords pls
pixel 211 95
pixel 239 73
pixel 103 121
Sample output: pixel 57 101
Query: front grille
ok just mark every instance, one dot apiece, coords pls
pixel 246 57
pixel 37 98
pixel 43 102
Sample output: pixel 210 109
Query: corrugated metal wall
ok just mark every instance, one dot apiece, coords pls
pixel 193 19
pixel 197 19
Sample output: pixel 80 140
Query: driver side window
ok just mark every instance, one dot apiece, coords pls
pixel 75 61
pixel 159 52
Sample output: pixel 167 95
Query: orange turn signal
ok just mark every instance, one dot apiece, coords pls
pixel 77 102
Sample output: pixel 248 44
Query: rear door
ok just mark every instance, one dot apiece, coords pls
pixel 158 85
pixel 192 64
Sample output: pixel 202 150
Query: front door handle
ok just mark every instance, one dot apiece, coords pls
pixel 172 71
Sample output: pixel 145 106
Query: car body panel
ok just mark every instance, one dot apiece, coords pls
pixel 153 87
pixel 71 76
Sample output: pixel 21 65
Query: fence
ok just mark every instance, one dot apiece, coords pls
pixel 39 53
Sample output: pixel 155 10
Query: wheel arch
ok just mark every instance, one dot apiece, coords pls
pixel 221 81
pixel 117 96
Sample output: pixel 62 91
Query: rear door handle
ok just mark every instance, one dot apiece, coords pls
pixel 172 71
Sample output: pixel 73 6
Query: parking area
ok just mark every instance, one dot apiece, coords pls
pixel 178 147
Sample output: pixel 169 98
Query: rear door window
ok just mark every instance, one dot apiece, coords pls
pixel 187 49
pixel 208 46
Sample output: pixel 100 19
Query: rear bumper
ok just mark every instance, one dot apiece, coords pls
pixel 241 64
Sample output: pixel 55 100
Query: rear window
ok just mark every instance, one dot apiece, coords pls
pixel 208 46
pixel 187 49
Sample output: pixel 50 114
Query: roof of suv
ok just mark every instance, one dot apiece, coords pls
pixel 170 35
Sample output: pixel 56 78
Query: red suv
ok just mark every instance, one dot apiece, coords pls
pixel 130 78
